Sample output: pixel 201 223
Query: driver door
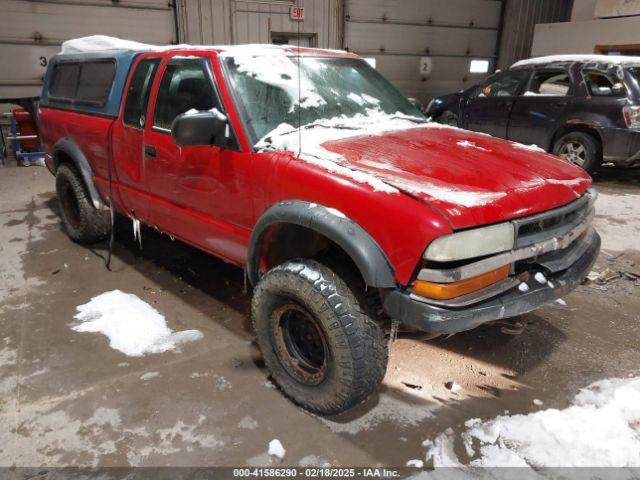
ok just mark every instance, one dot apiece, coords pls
pixel 489 107
pixel 201 194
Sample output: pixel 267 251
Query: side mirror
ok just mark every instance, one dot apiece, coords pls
pixel 195 128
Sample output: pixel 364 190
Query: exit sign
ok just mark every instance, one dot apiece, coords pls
pixel 297 13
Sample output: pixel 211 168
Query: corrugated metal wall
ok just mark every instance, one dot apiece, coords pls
pixel 397 33
pixel 211 22
pixel 521 17
pixel 31 31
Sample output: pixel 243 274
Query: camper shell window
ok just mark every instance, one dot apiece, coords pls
pixel 86 82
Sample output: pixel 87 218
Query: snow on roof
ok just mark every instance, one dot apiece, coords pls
pixel 101 43
pixel 614 59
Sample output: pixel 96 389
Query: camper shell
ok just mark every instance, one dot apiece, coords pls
pixel 99 79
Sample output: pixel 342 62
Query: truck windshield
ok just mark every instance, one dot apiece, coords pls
pixel 273 91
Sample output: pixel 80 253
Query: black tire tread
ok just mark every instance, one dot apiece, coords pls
pixel 367 345
pixel 95 224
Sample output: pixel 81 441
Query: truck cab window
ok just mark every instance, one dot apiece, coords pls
pixel 135 108
pixel 184 86
pixel 554 83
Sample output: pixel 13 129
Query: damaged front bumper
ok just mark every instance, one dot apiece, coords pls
pixel 563 270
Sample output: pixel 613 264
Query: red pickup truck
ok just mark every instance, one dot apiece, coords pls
pixel 348 211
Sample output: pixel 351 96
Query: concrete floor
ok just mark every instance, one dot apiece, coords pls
pixel 67 398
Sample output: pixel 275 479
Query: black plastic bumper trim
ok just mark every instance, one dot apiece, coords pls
pixel 432 319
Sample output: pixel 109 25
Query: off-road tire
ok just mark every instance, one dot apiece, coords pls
pixel 592 149
pixel 80 219
pixel 355 348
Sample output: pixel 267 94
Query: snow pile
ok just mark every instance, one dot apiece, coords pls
pixel 600 429
pixel 276 449
pixel 133 327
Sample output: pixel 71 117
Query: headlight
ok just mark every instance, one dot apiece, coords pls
pixel 472 243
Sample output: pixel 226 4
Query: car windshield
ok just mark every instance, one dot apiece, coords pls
pixel 272 91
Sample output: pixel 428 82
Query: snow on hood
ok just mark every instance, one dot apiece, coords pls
pixel 313 135
pixel 601 428
pixel 613 59
pixel 454 168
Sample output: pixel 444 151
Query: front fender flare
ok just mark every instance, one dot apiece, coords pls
pixel 375 268
pixel 73 151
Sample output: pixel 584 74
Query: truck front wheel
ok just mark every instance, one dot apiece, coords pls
pixel 323 351
pixel 81 220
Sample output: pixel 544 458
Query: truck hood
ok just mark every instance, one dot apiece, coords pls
pixel 470 178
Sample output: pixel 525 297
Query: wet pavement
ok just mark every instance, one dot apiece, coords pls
pixel 67 398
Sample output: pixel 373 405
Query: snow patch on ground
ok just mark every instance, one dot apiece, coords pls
pixel 313 461
pixel 276 449
pixel 248 423
pixel 133 327
pixel 601 428
pixel 149 376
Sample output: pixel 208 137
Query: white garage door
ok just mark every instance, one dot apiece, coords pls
pixel 424 47
pixel 31 32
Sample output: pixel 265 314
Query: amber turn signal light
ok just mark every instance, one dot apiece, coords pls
pixel 447 291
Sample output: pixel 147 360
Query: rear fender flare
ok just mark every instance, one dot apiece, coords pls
pixel 375 268
pixel 73 151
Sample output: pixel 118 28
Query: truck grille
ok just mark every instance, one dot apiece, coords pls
pixel 552 223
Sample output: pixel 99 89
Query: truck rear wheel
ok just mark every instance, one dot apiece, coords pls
pixel 323 351
pixel 81 220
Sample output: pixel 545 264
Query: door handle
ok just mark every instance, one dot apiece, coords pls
pixel 149 151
